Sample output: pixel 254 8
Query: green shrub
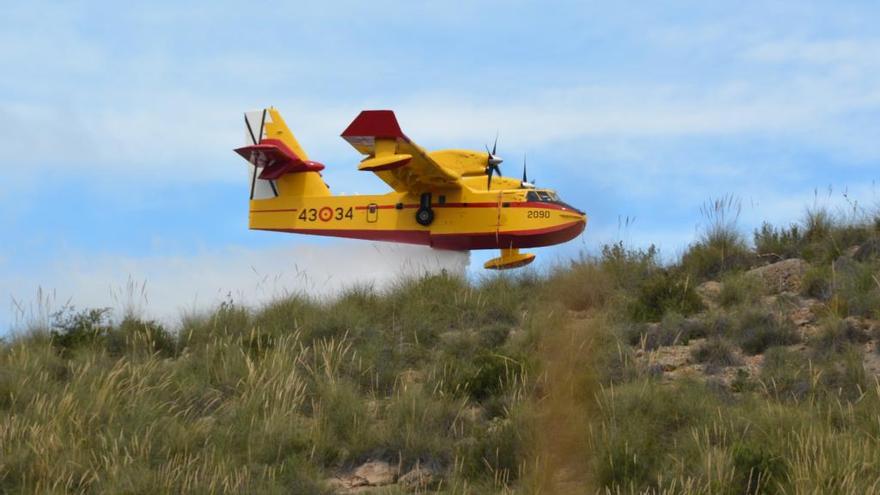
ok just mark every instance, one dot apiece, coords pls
pixel 742 381
pixel 785 374
pixel 740 288
pixel 295 313
pixel 228 319
pixel 818 224
pixel 581 286
pixel 756 330
pixel 836 335
pixel 673 329
pixel 827 238
pixel 481 376
pixel 843 375
pixel 817 282
pixel 663 291
pixel 71 329
pixel 628 267
pixel 498 449
pixel 711 258
pixel 857 284
pixel 779 244
pixel 722 247
pixel 340 413
pixel 716 353
pixel 757 466
pixel 136 335
pixel 645 420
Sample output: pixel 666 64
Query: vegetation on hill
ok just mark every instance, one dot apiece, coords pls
pixel 735 369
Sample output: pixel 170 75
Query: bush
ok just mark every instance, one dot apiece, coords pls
pixel 826 238
pixel 664 291
pixel 716 353
pixel 843 375
pixel 582 286
pixel 780 244
pixel 708 259
pixel 135 335
pixel 818 224
pixel 71 329
pixel 641 426
pixel 628 267
pixel 817 282
pixel 785 374
pixel 722 247
pixel 756 465
pixel 673 329
pixel 757 330
pixel 836 335
pixel 740 288
pixel 857 284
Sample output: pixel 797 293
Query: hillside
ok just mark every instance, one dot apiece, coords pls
pixel 742 367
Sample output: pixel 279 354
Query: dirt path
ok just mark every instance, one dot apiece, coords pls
pixel 568 387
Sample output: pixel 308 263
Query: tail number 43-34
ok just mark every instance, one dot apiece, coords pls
pixel 325 214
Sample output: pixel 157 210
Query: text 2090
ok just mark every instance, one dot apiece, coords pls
pixel 538 214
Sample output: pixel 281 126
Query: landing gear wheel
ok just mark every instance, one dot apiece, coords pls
pixel 425 216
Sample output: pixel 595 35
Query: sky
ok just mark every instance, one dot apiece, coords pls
pixel 117 126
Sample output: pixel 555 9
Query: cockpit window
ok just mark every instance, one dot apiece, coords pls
pixel 547 197
pixel 542 196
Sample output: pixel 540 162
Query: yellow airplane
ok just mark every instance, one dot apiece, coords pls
pixel 445 199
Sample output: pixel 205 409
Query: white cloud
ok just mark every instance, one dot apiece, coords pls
pixel 176 284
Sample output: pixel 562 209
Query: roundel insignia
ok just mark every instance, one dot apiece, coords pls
pixel 325 214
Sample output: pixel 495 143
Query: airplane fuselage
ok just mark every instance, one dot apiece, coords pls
pixel 446 199
pixel 463 219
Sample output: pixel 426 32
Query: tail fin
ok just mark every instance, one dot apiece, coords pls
pixel 279 166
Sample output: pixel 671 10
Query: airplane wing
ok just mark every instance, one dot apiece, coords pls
pixel 403 164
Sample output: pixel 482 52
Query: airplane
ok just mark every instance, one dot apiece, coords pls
pixel 447 199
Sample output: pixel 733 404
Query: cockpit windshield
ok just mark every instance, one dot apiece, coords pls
pixel 542 196
pixel 548 197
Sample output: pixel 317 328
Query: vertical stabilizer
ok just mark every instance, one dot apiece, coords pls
pixel 279 166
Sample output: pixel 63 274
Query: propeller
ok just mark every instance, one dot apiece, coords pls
pixel 492 163
pixel 525 180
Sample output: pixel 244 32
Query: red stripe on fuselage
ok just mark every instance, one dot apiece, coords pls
pixel 460 241
pixel 548 206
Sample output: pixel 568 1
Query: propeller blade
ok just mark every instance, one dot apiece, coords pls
pixel 489 181
pixel 525 177
pixel 262 125
pixel 495 144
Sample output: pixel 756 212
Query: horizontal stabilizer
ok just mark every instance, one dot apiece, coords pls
pixel 276 159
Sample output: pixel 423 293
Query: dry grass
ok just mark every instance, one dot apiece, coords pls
pixel 520 383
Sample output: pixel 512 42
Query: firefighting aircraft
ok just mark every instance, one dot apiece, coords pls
pixel 447 199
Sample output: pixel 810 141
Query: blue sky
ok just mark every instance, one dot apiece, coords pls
pixel 117 125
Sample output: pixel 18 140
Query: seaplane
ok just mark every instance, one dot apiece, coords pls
pixel 447 199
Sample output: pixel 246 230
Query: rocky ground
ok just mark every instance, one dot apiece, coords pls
pixel 373 475
pixel 782 289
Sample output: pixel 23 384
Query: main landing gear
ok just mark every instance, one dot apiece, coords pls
pixel 425 215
